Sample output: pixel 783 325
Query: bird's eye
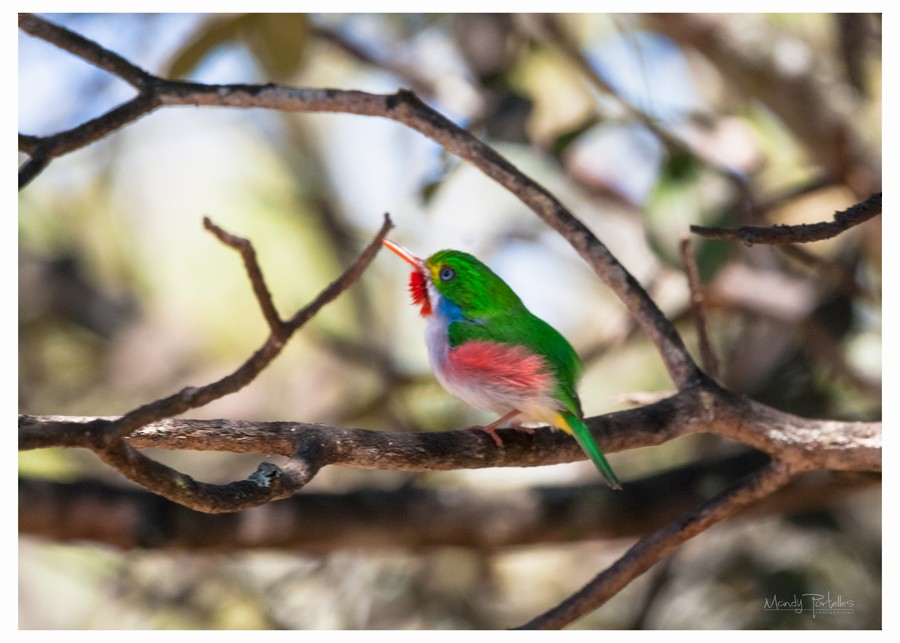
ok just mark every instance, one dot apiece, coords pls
pixel 447 273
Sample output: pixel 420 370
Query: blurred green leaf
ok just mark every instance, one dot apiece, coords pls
pixel 277 41
pixel 562 142
pixel 685 194
pixel 209 36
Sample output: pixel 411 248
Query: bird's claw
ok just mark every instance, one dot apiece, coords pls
pixel 491 430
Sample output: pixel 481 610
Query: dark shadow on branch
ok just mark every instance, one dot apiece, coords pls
pixel 410 517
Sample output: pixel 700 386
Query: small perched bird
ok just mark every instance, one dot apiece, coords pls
pixel 487 349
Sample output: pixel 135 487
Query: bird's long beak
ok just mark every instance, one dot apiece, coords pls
pixel 404 254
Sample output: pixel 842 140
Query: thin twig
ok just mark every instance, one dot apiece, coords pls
pixel 195 397
pixel 410 75
pixel 707 355
pixel 802 233
pixel 558 36
pixel 745 54
pixel 254 273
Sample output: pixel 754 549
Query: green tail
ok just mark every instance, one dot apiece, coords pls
pixel 586 442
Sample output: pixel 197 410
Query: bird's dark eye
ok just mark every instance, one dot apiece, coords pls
pixel 447 273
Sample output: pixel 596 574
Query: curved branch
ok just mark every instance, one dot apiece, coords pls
pixel 267 483
pixel 404 107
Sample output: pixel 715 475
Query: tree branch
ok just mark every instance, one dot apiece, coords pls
pixel 802 233
pixel 795 444
pixel 805 444
pixel 653 548
pixel 557 36
pixel 87 50
pixel 254 274
pixel 42 150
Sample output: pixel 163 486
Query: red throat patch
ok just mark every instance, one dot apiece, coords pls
pixel 418 289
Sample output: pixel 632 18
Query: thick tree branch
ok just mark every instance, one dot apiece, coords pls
pixel 804 444
pixel 802 233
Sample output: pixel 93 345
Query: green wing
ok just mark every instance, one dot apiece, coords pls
pixel 540 337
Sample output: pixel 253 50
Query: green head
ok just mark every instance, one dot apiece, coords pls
pixel 468 285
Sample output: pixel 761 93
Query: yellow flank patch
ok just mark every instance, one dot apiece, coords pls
pixel 560 423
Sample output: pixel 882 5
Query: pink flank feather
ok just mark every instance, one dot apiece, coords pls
pixel 500 366
pixel 501 378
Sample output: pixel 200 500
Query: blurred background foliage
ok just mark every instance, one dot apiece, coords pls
pixel 629 119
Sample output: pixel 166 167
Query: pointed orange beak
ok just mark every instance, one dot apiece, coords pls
pixel 404 254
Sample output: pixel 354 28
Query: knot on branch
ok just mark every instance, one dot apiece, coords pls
pixel 266 474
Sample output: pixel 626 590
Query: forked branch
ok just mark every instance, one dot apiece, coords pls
pixel 107 436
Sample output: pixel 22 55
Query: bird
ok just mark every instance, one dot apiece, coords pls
pixel 489 350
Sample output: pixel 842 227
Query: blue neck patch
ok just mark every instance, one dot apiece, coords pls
pixel 449 310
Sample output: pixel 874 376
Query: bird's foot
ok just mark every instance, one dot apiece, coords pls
pixel 491 429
